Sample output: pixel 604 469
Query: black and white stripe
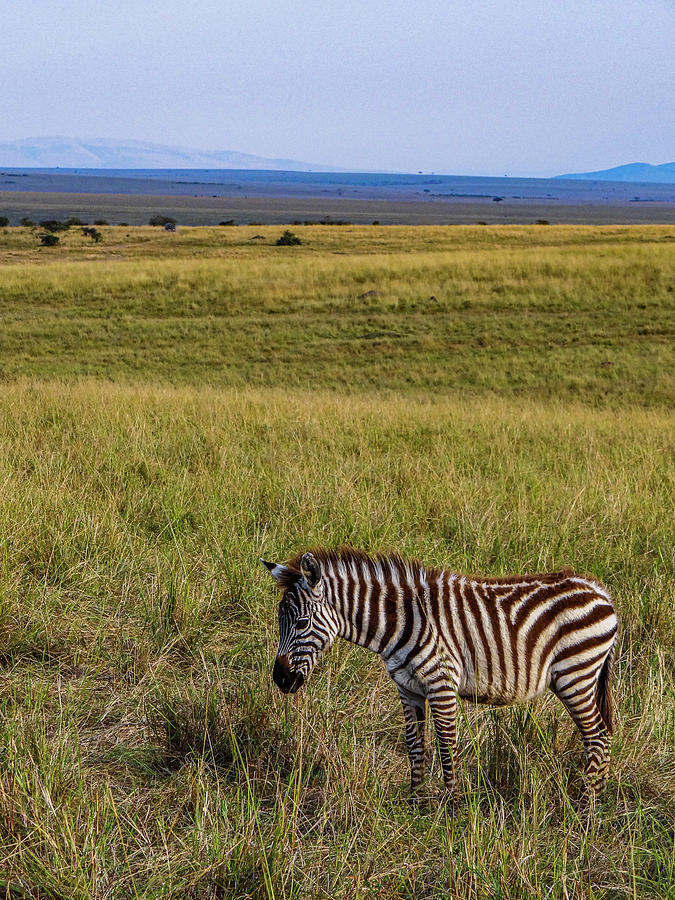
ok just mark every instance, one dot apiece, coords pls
pixel 443 635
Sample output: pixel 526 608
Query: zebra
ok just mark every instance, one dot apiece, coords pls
pixel 442 635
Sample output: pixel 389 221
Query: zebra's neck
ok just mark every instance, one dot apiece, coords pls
pixel 374 599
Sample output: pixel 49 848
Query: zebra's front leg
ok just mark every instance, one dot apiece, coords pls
pixel 443 705
pixel 414 712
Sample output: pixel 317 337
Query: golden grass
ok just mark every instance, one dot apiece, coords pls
pixel 138 632
pixel 522 420
pixel 566 313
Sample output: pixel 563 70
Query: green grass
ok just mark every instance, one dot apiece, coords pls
pixel 571 313
pixel 144 750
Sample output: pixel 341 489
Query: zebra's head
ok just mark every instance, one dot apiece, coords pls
pixel 307 625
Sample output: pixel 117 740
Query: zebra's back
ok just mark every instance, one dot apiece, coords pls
pixel 509 639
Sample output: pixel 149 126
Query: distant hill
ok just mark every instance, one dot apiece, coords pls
pixel 642 172
pixel 99 153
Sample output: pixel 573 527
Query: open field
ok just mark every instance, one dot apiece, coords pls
pixel 175 406
pixel 573 313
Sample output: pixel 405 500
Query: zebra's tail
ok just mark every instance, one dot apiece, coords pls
pixel 604 692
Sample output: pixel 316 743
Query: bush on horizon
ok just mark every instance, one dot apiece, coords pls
pixel 157 220
pixel 288 239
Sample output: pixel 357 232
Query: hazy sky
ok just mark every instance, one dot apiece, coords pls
pixel 524 87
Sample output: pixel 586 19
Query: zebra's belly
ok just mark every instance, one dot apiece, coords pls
pixel 476 687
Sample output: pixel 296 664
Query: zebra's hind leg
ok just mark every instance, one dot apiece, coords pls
pixel 581 702
pixel 414 712
pixel 443 704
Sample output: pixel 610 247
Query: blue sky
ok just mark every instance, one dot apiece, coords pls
pixel 524 88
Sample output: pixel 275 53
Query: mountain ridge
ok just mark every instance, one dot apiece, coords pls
pixel 103 153
pixel 640 173
pixel 106 153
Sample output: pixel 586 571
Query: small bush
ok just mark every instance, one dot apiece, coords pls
pixel 49 239
pixel 4 221
pixel 100 222
pixel 54 225
pixel 74 220
pixel 228 222
pixel 159 220
pixel 27 223
pixel 542 222
pixel 288 239
pixel 94 234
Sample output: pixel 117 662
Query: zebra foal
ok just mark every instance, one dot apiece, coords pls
pixel 442 635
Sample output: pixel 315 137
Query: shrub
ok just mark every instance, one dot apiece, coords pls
pixel 228 222
pixel 27 223
pixel 94 234
pixel 159 220
pixel 100 222
pixel 4 221
pixel 288 239
pixel 54 225
pixel 74 220
pixel 49 239
pixel 542 222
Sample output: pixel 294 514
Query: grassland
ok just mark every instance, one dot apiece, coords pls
pixel 174 407
pixel 540 312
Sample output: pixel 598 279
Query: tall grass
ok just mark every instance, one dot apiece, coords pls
pixel 146 752
pixel 175 406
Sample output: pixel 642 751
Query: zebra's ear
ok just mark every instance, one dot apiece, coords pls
pixel 311 570
pixel 277 571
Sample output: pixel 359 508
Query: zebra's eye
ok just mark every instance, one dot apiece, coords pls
pixel 302 622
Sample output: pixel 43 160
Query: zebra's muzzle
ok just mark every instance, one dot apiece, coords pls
pixel 285 678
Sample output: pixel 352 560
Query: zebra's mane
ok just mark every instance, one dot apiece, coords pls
pixel 349 557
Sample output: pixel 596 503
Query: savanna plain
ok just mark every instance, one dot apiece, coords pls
pixel 175 406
